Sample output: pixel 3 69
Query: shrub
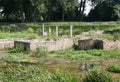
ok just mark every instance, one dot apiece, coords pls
pixel 30 30
pixel 116 36
pixel 40 52
pixel 114 68
pixel 95 76
pixel 34 74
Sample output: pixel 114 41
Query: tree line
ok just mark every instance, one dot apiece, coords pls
pixel 58 10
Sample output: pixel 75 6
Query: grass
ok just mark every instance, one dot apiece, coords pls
pixel 18 31
pixel 18 35
pixel 114 68
pixel 74 55
pixel 93 55
pixel 16 57
pixel 97 76
pixel 37 73
pixel 32 73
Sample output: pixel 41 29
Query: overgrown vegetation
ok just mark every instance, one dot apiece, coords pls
pixel 97 76
pixel 21 73
pixel 87 54
pixel 33 30
pixel 16 57
pixel 40 52
pixel 114 68
pixel 34 73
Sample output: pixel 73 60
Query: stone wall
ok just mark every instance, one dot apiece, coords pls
pixel 87 44
pixel 111 44
pixel 7 43
pixel 51 44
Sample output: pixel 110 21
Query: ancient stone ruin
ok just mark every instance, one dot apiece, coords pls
pixel 49 44
pixel 87 44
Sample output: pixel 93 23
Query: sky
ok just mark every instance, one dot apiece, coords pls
pixel 88 7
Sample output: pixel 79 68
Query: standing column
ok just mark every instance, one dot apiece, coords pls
pixel 71 30
pixel 56 31
pixel 43 29
pixel 49 30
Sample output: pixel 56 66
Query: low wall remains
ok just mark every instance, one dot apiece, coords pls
pixel 59 44
pixel 49 44
pixel 87 44
pixel 111 44
pixel 8 43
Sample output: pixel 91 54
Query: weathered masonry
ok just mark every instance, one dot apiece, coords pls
pixel 90 44
pixel 87 44
pixel 49 44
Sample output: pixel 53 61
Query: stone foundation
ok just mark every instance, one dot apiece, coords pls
pixel 7 43
pixel 50 45
pixel 87 44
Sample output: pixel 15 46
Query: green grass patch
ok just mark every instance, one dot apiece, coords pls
pixel 86 54
pixel 16 57
pixel 34 74
pixel 114 68
pixel 74 55
pixel 18 35
pixel 97 76
pixel 78 27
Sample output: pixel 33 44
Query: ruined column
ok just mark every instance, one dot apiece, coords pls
pixel 56 31
pixel 71 30
pixel 43 29
pixel 49 30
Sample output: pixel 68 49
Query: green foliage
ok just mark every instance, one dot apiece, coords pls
pixel 93 55
pixel 117 9
pixel 114 68
pixel 74 55
pixel 95 52
pixel 61 76
pixel 18 35
pixel 116 36
pixel 30 30
pixel 97 76
pixel 19 48
pixel 15 57
pixel 34 74
pixel 40 52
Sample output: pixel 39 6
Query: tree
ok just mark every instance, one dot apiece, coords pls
pixel 38 9
pixel 103 10
pixel 67 6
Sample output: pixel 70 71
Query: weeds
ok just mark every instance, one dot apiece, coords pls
pixel 34 74
pixel 40 52
pixel 97 76
pixel 114 68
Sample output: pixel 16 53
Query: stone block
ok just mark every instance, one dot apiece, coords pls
pixel 90 44
pixel 22 45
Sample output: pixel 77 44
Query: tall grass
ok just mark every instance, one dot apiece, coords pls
pixel 87 54
pixel 78 28
pixel 97 76
pixel 34 74
pixel 18 35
